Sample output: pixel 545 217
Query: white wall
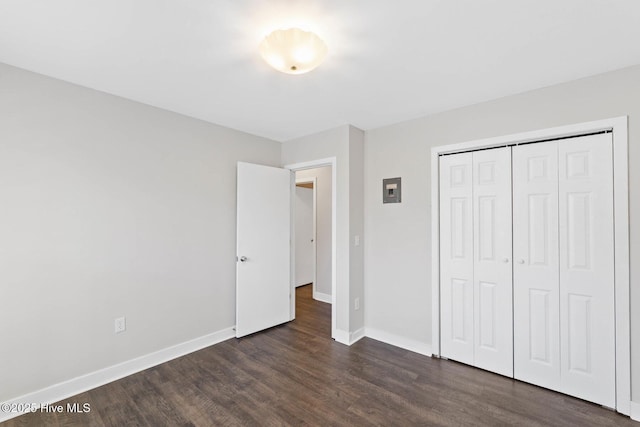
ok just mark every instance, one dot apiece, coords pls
pixel 398 285
pixel 337 143
pixel 323 225
pixel 109 208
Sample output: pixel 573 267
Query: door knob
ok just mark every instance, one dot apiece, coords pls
pixel 243 258
pixel 506 260
pixel 520 261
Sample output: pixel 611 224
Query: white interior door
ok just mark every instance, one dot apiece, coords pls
pixel 536 291
pixel 492 279
pixel 456 257
pixel 587 312
pixel 263 283
pixel 305 238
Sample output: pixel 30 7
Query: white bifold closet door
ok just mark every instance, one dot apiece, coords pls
pixel 587 294
pixel 536 270
pixel 456 257
pixel 476 274
pixel 564 323
pixel 492 272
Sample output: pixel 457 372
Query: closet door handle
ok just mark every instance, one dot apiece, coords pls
pixel 506 260
pixel 520 261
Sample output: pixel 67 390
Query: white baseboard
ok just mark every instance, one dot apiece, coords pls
pixel 341 336
pixel 356 336
pixel 348 338
pixel 398 341
pixel 635 411
pixel 104 376
pixel 319 296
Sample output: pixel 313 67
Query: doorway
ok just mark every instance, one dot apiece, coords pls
pixel 313 233
pixel 304 202
pixel 321 174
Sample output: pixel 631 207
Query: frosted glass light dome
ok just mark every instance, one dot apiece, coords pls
pixel 293 51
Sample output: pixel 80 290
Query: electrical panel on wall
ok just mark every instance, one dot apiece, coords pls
pixel 391 190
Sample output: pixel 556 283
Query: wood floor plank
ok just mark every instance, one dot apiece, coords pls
pixel 295 374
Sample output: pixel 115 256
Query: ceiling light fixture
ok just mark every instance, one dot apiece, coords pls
pixel 293 51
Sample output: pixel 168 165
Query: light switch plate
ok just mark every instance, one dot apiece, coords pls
pixel 120 325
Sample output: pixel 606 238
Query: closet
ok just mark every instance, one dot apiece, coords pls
pixel 527 263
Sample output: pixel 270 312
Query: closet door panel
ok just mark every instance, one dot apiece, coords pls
pixel 456 257
pixel 587 311
pixel 493 323
pixel 536 289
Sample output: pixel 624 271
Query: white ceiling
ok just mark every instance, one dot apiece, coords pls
pixel 388 61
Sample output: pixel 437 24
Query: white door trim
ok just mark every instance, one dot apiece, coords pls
pixel 313 181
pixel 618 126
pixel 331 161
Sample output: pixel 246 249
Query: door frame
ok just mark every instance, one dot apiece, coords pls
pixel 313 164
pixel 312 181
pixel 619 128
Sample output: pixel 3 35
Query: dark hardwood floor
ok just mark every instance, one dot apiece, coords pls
pixel 295 374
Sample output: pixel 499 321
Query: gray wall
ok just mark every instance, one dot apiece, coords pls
pixel 323 225
pixel 109 208
pixel 356 229
pixel 398 244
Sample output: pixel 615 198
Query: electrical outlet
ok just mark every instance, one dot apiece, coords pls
pixel 120 325
pixel 356 241
pixel 356 303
